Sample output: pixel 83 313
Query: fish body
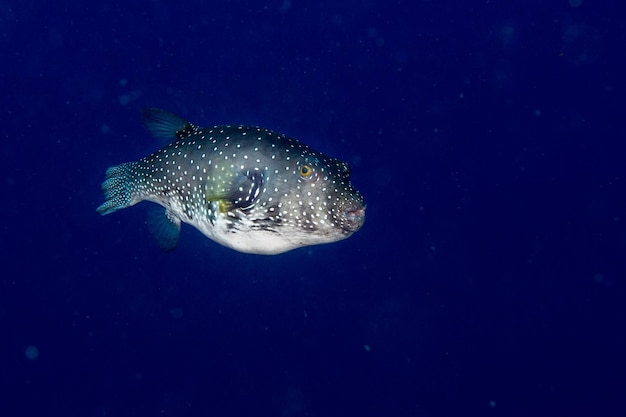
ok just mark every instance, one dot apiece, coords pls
pixel 247 188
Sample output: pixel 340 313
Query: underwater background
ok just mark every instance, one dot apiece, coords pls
pixel 486 137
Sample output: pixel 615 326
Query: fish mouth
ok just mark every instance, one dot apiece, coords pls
pixel 353 219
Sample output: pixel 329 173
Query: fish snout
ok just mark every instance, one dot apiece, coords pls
pixel 354 217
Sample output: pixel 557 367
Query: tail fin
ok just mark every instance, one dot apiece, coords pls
pixel 119 188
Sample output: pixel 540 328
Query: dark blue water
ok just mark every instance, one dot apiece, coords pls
pixel 489 278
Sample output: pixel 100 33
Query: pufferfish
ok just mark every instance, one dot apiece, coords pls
pixel 247 188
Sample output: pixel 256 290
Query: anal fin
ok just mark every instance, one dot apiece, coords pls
pixel 164 227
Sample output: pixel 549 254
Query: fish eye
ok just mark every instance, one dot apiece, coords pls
pixel 305 171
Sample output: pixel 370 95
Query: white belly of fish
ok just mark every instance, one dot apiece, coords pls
pixel 244 237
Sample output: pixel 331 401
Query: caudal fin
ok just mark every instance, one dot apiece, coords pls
pixel 119 188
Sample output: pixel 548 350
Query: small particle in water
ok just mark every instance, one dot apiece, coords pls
pixel 176 313
pixel 32 352
pixel 367 348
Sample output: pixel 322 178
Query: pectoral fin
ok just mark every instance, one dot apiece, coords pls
pixel 241 193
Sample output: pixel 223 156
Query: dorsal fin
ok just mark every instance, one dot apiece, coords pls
pixel 166 125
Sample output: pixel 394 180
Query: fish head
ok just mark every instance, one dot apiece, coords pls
pixel 305 199
pixel 327 197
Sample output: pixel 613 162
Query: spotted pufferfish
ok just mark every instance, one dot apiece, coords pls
pixel 248 188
